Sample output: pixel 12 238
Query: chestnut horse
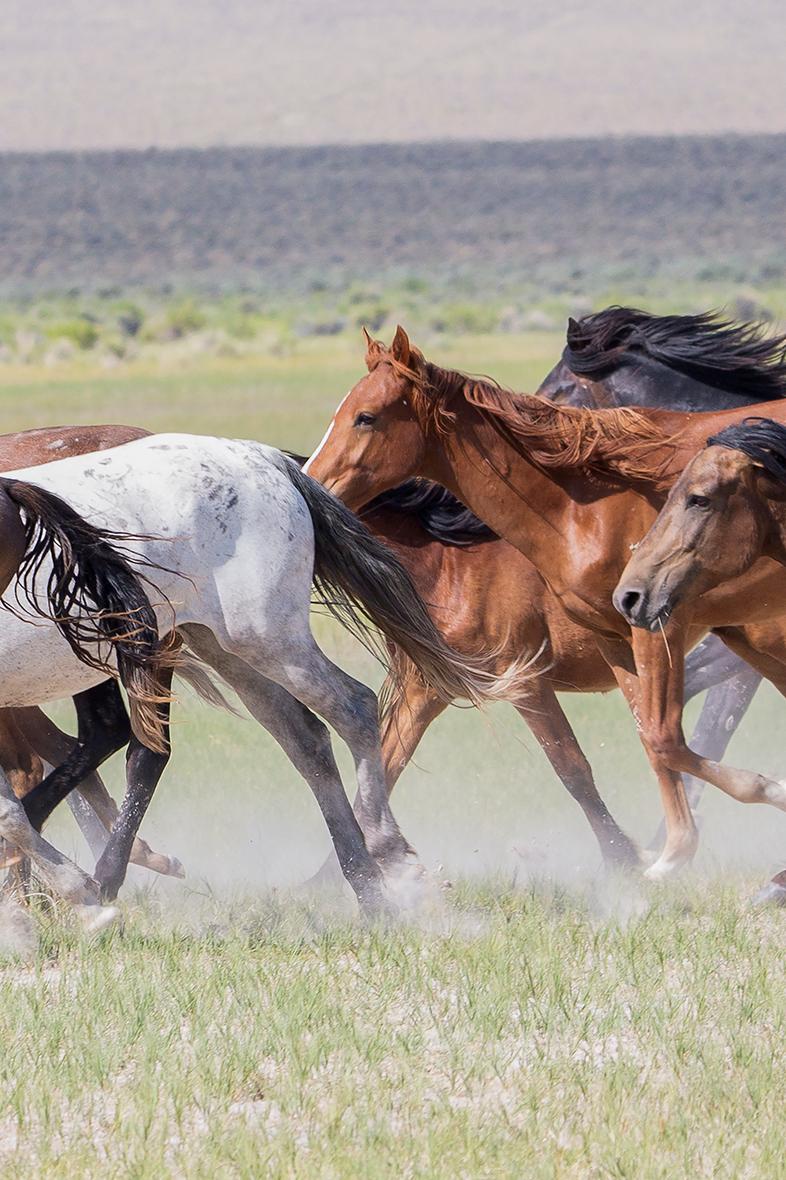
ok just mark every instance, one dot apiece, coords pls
pixel 484 594
pixel 27 736
pixel 573 489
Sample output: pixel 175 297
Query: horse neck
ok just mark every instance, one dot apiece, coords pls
pixel 645 381
pixel 535 510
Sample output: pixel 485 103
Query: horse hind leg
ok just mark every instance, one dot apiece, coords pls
pixel 56 871
pixel 144 768
pixel 306 742
pixel 91 804
pixel 103 728
pixel 352 710
pixel 547 721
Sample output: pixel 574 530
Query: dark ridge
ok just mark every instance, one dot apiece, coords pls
pixel 738 357
pixel 560 213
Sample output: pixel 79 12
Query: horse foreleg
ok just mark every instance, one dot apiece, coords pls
pixel 547 721
pixel 351 709
pixel 661 685
pixel 655 699
pixel 732 685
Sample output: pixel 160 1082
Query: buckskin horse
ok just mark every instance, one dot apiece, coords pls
pixel 573 489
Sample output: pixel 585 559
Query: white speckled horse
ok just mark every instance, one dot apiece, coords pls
pixel 232 537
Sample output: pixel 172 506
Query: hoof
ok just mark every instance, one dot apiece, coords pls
pixel 375 904
pixel 408 883
pixel 95 919
pixel 661 869
pixel 773 893
pixel 622 853
pixel 175 869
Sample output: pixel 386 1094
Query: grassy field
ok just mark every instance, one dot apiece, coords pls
pixel 539 1019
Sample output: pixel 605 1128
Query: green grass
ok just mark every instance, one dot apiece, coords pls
pixel 537 1020
pixel 514 1033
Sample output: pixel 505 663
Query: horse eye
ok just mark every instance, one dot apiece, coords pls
pixel 364 419
pixel 698 501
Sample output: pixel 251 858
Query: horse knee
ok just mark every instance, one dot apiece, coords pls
pixel 664 746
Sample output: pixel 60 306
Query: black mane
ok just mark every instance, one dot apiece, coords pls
pixel 760 439
pixel 739 358
pixel 438 511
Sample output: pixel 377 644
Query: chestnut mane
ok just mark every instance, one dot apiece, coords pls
pixel 610 443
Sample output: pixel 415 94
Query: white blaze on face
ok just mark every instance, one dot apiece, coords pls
pixel 327 434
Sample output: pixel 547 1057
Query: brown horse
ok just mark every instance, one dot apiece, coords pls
pixel 724 512
pixel 485 594
pixel 573 489
pixel 27 736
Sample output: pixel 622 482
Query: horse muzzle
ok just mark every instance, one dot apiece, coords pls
pixel 640 608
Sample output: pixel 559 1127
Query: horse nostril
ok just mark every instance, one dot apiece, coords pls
pixel 628 601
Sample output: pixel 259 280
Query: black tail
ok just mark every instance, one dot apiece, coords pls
pixel 94 597
pixel 354 572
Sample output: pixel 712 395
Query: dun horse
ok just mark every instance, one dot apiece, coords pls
pixel 573 489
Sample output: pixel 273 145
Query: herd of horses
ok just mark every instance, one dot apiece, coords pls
pixel 488 545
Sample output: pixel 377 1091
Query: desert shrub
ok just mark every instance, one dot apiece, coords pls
pixel 130 318
pixel 184 317
pixel 82 332
pixel 465 319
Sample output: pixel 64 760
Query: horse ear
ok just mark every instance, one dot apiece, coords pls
pixel 573 326
pixel 372 350
pixel 400 348
pixel 768 485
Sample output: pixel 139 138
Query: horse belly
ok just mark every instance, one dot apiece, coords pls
pixel 37 665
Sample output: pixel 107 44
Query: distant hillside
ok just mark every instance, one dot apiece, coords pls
pixel 280 219
pixel 202 72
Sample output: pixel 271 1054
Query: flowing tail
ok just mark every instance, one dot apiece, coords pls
pixel 94 597
pixel 354 573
